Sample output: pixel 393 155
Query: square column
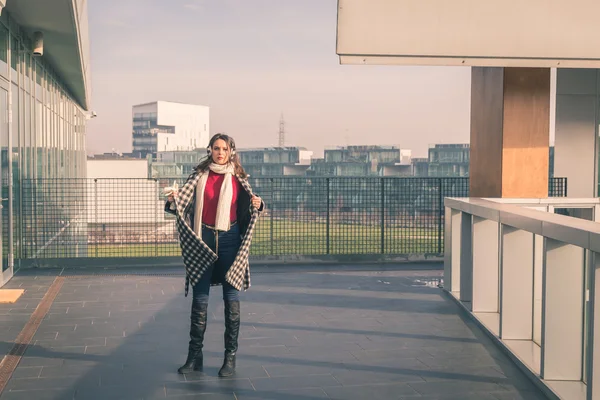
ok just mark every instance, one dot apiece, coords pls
pixel 510 132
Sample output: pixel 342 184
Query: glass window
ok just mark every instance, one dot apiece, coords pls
pixel 14 56
pixel 3 49
pixel 38 74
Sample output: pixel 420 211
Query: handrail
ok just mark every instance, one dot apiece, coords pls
pixel 578 232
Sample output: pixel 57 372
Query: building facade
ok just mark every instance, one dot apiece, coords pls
pixel 276 161
pixel 43 101
pixel 362 161
pixel 164 126
pixel 449 160
pixel 420 167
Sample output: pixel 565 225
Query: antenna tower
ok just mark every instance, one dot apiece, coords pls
pixel 281 132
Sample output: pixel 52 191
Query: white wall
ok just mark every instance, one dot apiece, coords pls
pixel 295 170
pixel 405 156
pixel 117 169
pixel 191 122
pixel 576 131
pixel 122 193
pixel 305 156
pixel 124 201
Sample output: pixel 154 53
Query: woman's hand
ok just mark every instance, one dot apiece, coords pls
pixel 256 201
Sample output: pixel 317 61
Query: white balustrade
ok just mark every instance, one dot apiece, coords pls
pixel 522 273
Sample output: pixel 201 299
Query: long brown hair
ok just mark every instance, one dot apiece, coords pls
pixel 233 157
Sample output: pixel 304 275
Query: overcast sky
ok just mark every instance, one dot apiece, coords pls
pixel 250 61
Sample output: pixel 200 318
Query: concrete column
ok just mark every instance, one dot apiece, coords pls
pixel 510 132
pixel 576 131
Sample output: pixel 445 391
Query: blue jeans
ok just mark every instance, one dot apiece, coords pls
pixel 228 245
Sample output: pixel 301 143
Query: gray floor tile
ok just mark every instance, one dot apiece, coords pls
pixel 45 394
pixel 380 391
pixel 292 394
pixel 294 382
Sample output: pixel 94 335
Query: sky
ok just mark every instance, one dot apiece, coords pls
pixel 250 62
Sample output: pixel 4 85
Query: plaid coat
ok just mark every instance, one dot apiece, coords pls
pixel 197 256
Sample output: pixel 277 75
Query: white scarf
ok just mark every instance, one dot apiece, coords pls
pixel 223 221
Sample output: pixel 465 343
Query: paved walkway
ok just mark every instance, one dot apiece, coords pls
pixel 382 334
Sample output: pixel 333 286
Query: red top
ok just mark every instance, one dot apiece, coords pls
pixel 212 191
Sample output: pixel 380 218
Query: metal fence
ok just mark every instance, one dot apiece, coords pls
pixel 73 218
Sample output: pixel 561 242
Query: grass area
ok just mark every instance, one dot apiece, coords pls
pixel 284 237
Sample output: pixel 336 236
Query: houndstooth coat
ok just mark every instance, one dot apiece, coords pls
pixel 197 256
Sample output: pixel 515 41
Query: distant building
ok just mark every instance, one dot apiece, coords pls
pixel 176 163
pixel 363 161
pixel 420 167
pixel 449 160
pixel 276 161
pixel 166 126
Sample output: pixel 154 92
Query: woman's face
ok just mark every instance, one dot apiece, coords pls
pixel 220 152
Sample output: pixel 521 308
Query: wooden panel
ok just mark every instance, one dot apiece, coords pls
pixel 526 132
pixel 486 132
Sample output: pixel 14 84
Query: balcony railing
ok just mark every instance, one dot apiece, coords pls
pixel 305 216
pixel 529 277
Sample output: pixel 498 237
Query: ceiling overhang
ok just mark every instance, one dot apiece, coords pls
pixel 488 33
pixel 64 24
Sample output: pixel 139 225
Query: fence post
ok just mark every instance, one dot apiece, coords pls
pixel 271 214
pixel 156 196
pixel 327 227
pixel 382 215
pixel 440 215
pixel 96 217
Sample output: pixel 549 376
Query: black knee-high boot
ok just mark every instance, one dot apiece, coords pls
pixel 197 328
pixel 232 330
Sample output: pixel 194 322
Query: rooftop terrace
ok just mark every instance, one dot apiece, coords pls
pixel 360 332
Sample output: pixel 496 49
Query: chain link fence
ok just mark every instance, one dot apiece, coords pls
pixel 80 218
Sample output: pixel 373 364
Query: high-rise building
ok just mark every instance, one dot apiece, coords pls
pixel 44 99
pixel 168 126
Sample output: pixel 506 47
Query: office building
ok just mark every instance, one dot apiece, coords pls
pixel 276 161
pixel 449 160
pixel 44 98
pixel 362 161
pixel 164 126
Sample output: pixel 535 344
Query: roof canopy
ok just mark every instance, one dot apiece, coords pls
pixel 485 33
pixel 64 24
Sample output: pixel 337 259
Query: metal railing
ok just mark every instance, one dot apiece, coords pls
pixel 530 278
pixel 305 216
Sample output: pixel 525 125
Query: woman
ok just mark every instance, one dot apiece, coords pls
pixel 216 214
